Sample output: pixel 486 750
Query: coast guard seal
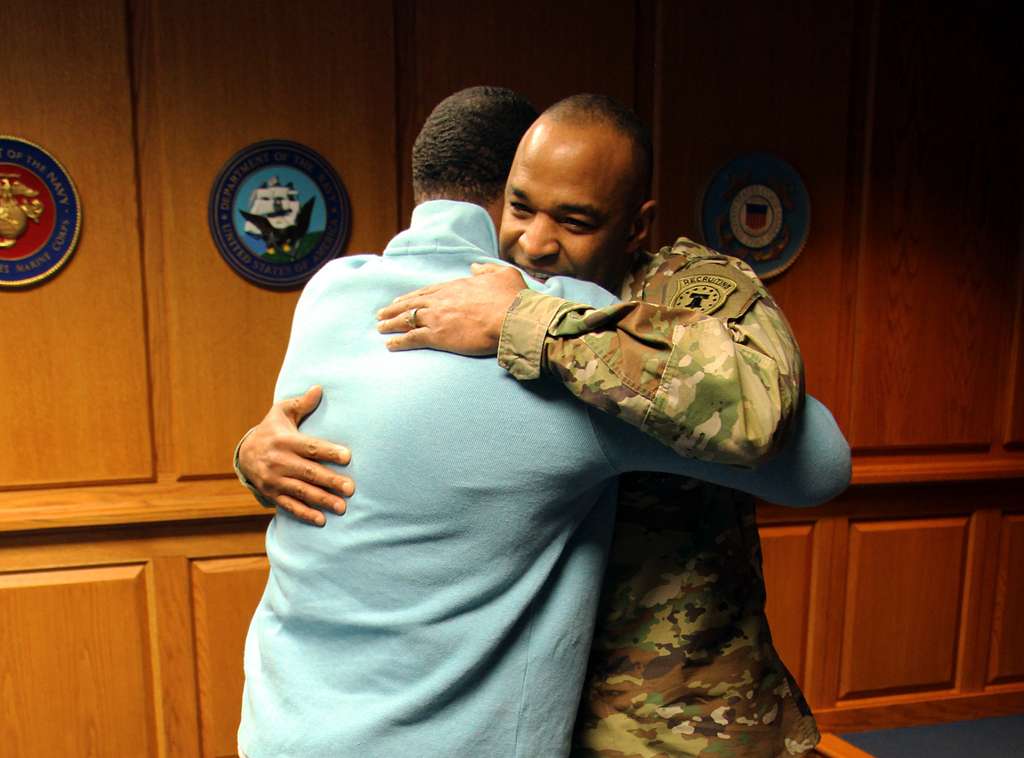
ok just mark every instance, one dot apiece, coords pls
pixel 278 212
pixel 40 213
pixel 756 208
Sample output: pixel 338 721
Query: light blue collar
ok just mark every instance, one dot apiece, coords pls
pixel 442 226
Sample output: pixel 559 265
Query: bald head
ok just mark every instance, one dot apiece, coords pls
pixel 600 110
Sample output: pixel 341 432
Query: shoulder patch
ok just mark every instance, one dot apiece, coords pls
pixel 713 288
pixel 703 292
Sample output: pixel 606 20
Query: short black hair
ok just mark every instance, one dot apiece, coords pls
pixel 465 149
pixel 587 108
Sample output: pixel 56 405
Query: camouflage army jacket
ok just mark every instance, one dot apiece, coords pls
pixel 698 355
pixel 701 358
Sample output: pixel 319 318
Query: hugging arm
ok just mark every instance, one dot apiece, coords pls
pixel 719 386
pixel 812 467
pixel 699 356
pixel 284 468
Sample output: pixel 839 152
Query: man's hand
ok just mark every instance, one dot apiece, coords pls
pixel 283 464
pixel 462 316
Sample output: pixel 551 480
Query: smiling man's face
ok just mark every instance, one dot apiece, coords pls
pixel 573 206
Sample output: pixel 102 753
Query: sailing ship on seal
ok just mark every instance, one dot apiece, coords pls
pixel 277 203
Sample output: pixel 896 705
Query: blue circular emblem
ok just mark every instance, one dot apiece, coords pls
pixel 40 213
pixel 756 208
pixel 278 212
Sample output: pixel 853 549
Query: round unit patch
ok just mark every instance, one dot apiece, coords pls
pixel 756 208
pixel 278 212
pixel 40 213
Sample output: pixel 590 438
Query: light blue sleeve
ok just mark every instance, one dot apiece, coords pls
pixel 565 287
pixel 812 468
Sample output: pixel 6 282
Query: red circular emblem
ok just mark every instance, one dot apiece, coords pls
pixel 40 213
pixel 34 235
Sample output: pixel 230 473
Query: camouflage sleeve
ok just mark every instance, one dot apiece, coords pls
pixel 701 358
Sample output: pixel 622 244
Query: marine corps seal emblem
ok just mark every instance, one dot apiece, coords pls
pixel 756 208
pixel 40 213
pixel 278 212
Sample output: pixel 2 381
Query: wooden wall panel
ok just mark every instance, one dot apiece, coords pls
pixel 979 591
pixel 829 552
pixel 903 602
pixel 1006 656
pixel 728 84
pixel 544 50
pixel 75 663
pixel 1013 434
pixel 786 553
pixel 213 79
pixel 147 661
pixel 175 656
pixel 73 350
pixel 225 592
pixel 937 264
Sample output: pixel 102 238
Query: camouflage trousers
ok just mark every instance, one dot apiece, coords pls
pixel 682 662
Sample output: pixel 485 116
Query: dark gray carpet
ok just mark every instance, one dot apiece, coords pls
pixel 1001 737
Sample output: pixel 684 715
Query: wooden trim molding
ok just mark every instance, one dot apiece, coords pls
pixel 834 746
pixel 169 500
pixel 935 467
pixel 919 708
pixel 163 501
pixel 898 500
pixel 979 598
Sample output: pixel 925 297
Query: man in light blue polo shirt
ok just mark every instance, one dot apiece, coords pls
pixel 450 613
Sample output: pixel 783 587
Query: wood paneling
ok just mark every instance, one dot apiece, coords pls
pixel 941 231
pixel 143 543
pixel 833 746
pixel 75 662
pixel 910 156
pixel 979 599
pixel 213 79
pixel 726 86
pixel 928 467
pixel 74 349
pixel 544 50
pixel 225 593
pixel 830 543
pixel 914 710
pixel 84 614
pixel 786 553
pixel 1014 427
pixel 903 603
pixel 1006 659
pixel 910 500
pixel 1014 434
pixel 127 504
pixel 176 657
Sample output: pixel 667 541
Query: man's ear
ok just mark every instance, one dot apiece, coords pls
pixel 495 207
pixel 640 227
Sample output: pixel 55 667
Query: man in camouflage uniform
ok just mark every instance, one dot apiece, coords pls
pixel 701 358
pixel 683 663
